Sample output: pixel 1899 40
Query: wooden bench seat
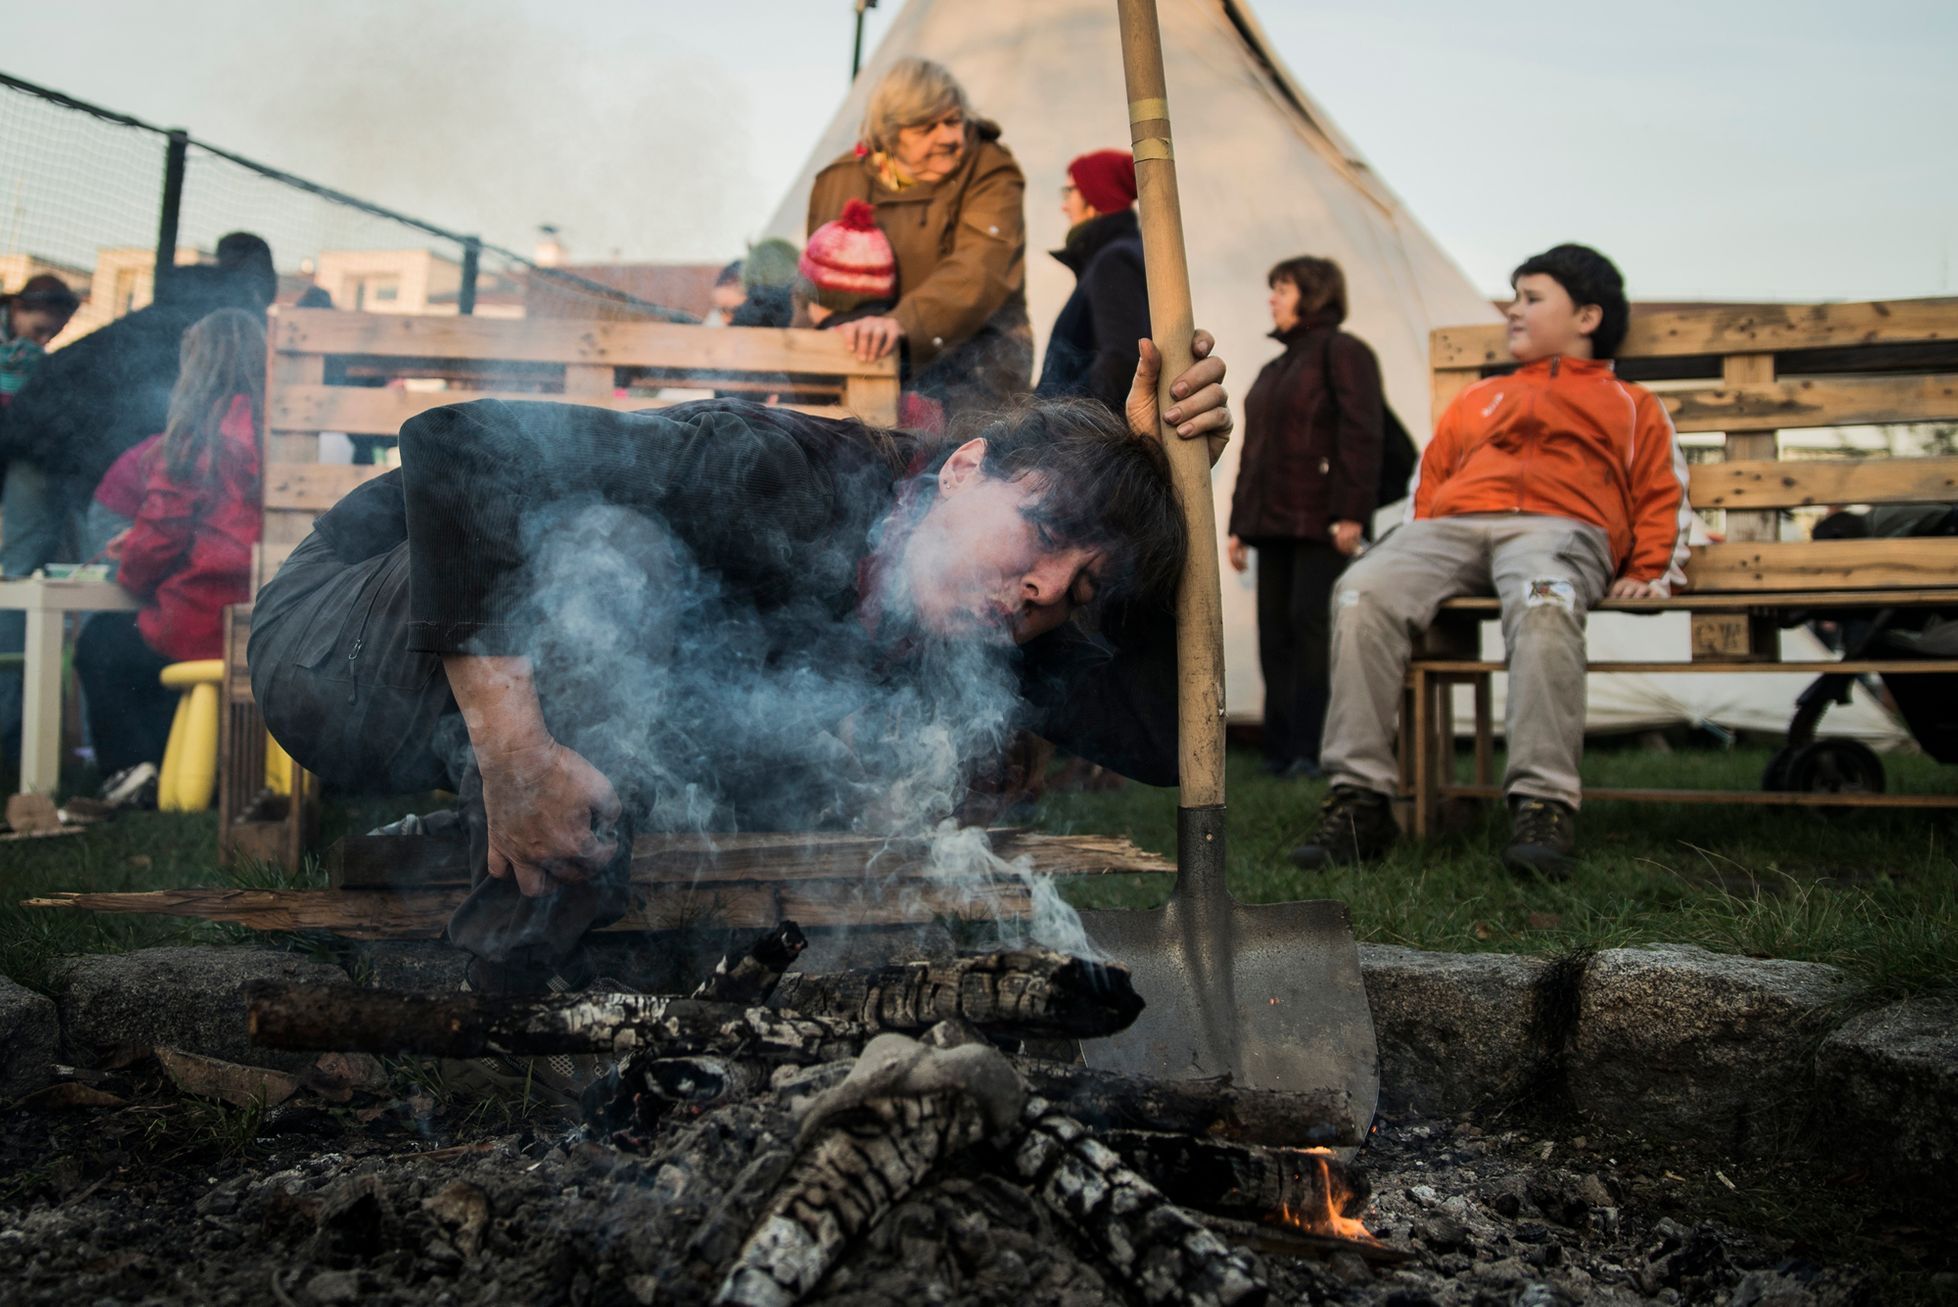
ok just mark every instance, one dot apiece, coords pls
pixel 1744 374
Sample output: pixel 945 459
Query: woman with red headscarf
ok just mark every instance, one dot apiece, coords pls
pixel 1091 351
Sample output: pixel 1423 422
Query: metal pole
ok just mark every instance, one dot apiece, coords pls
pixel 856 51
pixel 472 257
pixel 175 154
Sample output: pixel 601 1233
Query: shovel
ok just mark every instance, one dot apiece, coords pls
pixel 1267 994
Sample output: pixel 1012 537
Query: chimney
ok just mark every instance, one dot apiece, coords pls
pixel 550 250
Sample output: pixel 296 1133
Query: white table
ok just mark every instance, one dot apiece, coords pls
pixel 47 602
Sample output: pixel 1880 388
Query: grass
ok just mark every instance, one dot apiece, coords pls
pixel 1875 892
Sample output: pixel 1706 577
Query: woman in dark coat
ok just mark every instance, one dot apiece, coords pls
pixel 1091 350
pixel 1307 484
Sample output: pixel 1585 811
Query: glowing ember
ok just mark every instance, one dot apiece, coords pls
pixel 1330 1219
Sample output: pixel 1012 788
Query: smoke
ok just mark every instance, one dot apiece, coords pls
pixel 715 710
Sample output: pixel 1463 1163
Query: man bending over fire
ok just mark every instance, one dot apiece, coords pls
pixel 723 616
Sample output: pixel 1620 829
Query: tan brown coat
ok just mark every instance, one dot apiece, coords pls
pixel 961 247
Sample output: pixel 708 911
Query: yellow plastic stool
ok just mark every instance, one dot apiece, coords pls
pixel 190 760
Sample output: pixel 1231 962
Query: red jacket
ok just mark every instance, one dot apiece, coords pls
pixel 1565 436
pixel 189 551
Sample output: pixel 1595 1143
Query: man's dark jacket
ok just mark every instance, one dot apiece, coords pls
pixel 1092 349
pixel 1312 438
pixel 776 506
pixel 90 401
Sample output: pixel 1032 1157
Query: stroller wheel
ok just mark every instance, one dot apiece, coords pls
pixel 1774 777
pixel 1834 767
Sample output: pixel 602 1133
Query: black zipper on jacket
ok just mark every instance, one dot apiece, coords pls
pixel 360 641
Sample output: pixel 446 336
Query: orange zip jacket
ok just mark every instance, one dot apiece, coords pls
pixel 1565 436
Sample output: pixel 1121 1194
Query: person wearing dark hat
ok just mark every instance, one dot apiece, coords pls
pixel 1091 351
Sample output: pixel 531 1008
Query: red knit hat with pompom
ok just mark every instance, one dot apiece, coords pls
pixel 849 262
pixel 1105 178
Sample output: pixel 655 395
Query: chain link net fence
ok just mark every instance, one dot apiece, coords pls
pixel 83 190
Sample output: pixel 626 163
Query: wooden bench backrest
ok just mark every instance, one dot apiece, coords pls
pixel 332 371
pixel 1752 371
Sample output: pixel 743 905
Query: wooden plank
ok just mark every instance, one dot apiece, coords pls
pixel 1488 607
pixel 1444 388
pixel 1730 329
pixel 1858 666
pixel 1768 405
pixel 1819 564
pixel 570 340
pixel 422 913
pixel 590 383
pixel 1801 483
pixel 1735 637
pixel 1742 798
pixel 1740 373
pixel 369 411
pixel 313 487
pixel 872 399
pixel 390 862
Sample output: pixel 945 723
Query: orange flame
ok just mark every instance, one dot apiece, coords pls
pixel 1331 1218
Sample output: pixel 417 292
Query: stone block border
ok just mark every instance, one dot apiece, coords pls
pixel 1727 1055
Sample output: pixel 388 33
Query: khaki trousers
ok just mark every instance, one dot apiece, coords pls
pixel 1547 571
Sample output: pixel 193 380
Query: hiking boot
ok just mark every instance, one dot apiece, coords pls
pixel 1542 836
pixel 1356 826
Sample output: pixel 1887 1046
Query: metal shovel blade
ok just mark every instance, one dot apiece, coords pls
pixel 1268 994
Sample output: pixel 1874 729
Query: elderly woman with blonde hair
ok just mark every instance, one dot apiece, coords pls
pixel 952 201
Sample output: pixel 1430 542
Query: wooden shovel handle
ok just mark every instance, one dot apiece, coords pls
pixel 1199 613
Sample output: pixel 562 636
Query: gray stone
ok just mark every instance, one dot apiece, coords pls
pixel 1887 1081
pixel 29 1034
pixel 187 998
pixel 1702 1049
pixel 1456 1030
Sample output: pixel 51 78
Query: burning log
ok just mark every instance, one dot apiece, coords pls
pixel 1218 1108
pixel 750 978
pixel 862 1147
pixel 346 1019
pixel 1313 1191
pixel 634 1096
pixel 1027 992
pixel 1165 1254
pixel 821 1017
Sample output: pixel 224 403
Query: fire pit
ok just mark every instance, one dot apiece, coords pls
pixel 861 1143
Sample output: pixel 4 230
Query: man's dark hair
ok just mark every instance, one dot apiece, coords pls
pixel 1588 277
pixel 1103 488
pixel 1320 283
pixel 246 255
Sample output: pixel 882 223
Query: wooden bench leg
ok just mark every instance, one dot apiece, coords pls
pixel 1421 738
pixel 1485 731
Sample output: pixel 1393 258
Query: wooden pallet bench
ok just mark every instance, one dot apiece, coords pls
pixel 1745 374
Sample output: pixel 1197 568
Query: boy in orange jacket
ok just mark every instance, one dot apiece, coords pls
pixel 1556 486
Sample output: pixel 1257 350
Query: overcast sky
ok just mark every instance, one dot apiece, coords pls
pixel 1721 149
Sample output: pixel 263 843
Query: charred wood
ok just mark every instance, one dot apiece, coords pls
pixel 636 1095
pixel 750 978
pixel 1233 1179
pixel 347 1019
pixel 1026 992
pixel 1159 1250
pixel 843 1183
pixel 863 1146
pixel 1218 1108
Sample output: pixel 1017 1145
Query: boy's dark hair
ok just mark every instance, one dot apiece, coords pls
pixel 1321 285
pixel 245 255
pixel 1104 488
pixel 1588 277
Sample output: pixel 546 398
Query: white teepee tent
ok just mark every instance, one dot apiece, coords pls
pixel 1264 174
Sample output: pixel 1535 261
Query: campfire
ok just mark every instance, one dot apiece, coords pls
pixel 899 1074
